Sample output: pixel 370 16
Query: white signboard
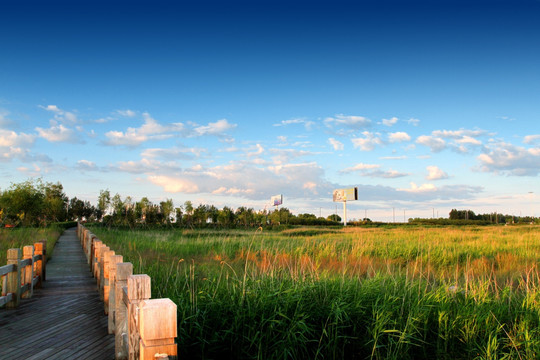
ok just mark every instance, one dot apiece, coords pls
pixel 276 200
pixel 342 195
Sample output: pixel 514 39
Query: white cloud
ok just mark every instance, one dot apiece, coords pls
pixel 244 179
pixel 368 142
pixel 436 144
pixel 65 117
pixel 337 145
pixel 420 189
pixel 301 121
pixel 531 139
pixel 434 173
pixel 174 185
pixel 509 159
pixel 360 167
pixel 217 128
pixel 174 153
pixel 59 133
pixel 11 138
pixel 390 122
pixel 126 113
pixel 4 121
pixel 413 122
pixel 400 157
pixel 257 150
pixel 347 121
pixel 398 137
pixel 372 170
pixel 150 130
pixel 86 165
pixel 459 134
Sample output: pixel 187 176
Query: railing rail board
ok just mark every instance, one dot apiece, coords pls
pixel 24 271
pixel 6 269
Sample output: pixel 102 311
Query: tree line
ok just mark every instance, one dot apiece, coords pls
pixel 38 203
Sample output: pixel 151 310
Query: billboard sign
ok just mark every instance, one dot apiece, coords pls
pixel 276 200
pixel 342 195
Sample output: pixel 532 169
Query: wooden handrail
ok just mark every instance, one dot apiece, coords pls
pixel 143 327
pixel 24 271
pixel 6 269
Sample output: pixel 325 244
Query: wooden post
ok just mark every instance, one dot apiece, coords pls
pixel 157 329
pixel 28 271
pixel 101 269
pixel 13 284
pixel 123 271
pixel 111 308
pixel 44 260
pixel 89 247
pixel 99 263
pixel 38 265
pixel 106 274
pixel 138 289
pixel 93 264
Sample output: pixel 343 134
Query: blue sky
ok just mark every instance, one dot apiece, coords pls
pixel 425 106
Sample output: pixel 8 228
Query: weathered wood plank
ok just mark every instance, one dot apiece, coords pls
pixel 64 319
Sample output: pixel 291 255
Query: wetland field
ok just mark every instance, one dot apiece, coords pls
pixel 354 293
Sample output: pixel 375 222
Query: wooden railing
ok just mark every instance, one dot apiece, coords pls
pixel 24 270
pixel 144 328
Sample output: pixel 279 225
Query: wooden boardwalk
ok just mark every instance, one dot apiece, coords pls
pixel 65 318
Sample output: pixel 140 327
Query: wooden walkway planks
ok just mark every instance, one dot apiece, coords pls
pixel 65 318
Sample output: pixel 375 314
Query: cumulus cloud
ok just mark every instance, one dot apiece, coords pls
pixel 434 173
pixel 420 189
pixel 4 120
pixel 413 122
pixel 218 128
pixel 174 184
pixel 509 159
pixel 17 146
pixel 398 137
pixel 150 130
pixel 344 124
pixel 459 134
pixel 244 179
pixel 59 133
pixel 368 142
pixel 301 121
pixel 174 153
pixel 531 139
pixel 126 113
pixel 373 170
pixel 86 165
pixel 65 117
pixel 390 122
pixel 11 138
pixel 436 144
pixel 461 141
pixel 337 145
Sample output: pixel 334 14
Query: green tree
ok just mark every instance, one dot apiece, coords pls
pixel 334 217
pixel 225 217
pixel 55 202
pixel 24 203
pixel 166 208
pixel 104 200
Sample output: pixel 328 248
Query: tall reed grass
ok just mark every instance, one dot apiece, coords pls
pixel 418 293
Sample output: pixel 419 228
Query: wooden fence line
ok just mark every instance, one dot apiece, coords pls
pixel 24 270
pixel 144 328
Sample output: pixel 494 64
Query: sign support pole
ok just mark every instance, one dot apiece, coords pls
pixel 345 213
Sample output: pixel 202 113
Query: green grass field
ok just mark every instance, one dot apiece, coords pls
pixel 311 293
